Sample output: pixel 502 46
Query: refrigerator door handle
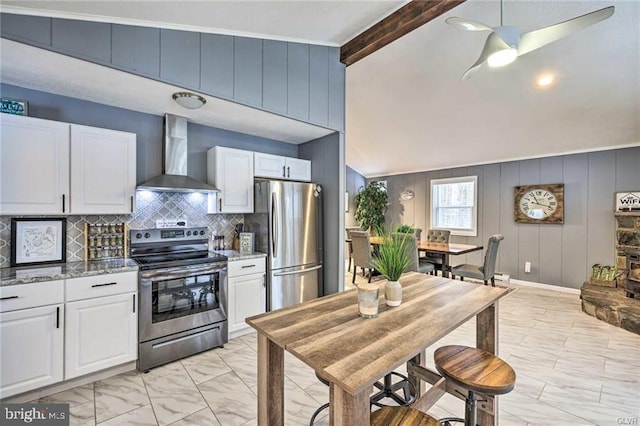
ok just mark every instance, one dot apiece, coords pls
pixel 274 223
pixel 301 271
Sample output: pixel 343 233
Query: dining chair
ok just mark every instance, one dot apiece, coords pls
pixel 436 236
pixel 487 270
pixel 416 264
pixel 361 252
pixel 349 245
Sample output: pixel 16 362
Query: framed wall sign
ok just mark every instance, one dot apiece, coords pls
pixel 36 241
pixel 628 201
pixel 246 243
pixel 539 203
pixel 14 106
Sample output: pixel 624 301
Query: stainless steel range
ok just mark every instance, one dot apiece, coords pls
pixel 183 294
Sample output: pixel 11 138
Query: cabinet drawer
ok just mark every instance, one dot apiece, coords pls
pixel 101 285
pixel 23 296
pixel 247 266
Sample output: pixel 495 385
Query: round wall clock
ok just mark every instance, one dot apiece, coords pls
pixel 539 203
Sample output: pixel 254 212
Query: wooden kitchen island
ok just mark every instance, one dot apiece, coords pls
pixel 352 352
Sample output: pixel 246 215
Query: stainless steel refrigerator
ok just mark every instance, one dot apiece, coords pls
pixel 288 227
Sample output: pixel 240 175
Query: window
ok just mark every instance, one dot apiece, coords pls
pixel 453 205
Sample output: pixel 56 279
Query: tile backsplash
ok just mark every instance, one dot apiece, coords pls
pixel 150 207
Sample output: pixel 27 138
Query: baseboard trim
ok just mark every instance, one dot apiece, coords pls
pixel 70 384
pixel 546 286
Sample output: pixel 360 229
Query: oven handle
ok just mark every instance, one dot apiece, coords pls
pixel 180 272
pixel 180 339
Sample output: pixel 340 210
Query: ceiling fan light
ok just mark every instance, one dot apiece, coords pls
pixel 502 57
pixel 189 100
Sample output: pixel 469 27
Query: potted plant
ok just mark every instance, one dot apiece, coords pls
pixel 371 205
pixel 405 229
pixel 391 260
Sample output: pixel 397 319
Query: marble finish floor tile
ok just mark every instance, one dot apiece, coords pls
pixel 118 395
pixel 572 370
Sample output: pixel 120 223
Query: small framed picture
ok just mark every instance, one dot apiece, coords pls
pixel 37 241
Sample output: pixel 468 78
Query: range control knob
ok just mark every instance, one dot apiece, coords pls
pixel 138 235
pixel 201 232
pixel 188 233
pixel 147 235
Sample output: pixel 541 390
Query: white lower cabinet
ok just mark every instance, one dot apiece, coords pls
pixel 247 293
pixel 31 348
pixel 100 333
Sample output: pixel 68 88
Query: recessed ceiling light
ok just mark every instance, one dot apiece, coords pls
pixel 545 80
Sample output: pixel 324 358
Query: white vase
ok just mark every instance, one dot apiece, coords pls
pixel 393 293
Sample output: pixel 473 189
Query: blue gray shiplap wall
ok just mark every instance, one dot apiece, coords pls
pixel 328 170
pixel 354 182
pixel 297 80
pixel 560 254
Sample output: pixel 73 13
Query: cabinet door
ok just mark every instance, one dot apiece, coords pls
pixel 34 166
pixel 231 171
pixel 31 348
pixel 100 333
pixel 247 297
pixel 269 166
pixel 103 170
pixel 298 169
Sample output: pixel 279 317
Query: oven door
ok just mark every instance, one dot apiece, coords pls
pixel 177 299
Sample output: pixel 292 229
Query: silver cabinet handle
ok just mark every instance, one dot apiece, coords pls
pixel 288 171
pixel 134 303
pixel 63 202
pixel 220 202
pixel 302 271
pixel 58 317
pixel 248 266
pixel 131 199
pixel 284 174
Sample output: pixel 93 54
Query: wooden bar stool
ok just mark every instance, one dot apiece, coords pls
pixel 401 416
pixel 475 370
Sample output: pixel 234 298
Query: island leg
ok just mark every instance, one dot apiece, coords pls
pixel 348 410
pixel 270 383
pixel 487 339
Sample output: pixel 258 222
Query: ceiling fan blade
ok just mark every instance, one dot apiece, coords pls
pixel 465 24
pixel 493 44
pixel 535 39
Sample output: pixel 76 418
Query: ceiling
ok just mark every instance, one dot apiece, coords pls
pixel 407 109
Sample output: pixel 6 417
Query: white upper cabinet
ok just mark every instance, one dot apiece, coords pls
pixel 103 172
pixel 278 167
pixel 34 166
pixel 231 171
pixel 49 167
pixel 298 169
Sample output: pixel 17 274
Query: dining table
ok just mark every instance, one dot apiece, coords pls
pixel 352 353
pixel 445 250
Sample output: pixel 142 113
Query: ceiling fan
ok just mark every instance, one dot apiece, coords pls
pixel 505 43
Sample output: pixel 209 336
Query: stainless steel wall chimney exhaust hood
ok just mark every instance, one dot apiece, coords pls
pixel 174 161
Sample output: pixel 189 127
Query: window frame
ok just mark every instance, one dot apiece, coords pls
pixel 465 232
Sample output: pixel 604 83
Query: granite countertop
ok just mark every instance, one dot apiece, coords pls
pixel 33 274
pixel 235 255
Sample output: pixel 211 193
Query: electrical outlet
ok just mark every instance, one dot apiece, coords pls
pixel 527 267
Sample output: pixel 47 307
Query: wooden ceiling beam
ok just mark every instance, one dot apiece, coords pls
pixel 404 20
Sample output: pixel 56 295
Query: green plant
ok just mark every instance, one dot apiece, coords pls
pixel 406 229
pixel 391 259
pixel 371 205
